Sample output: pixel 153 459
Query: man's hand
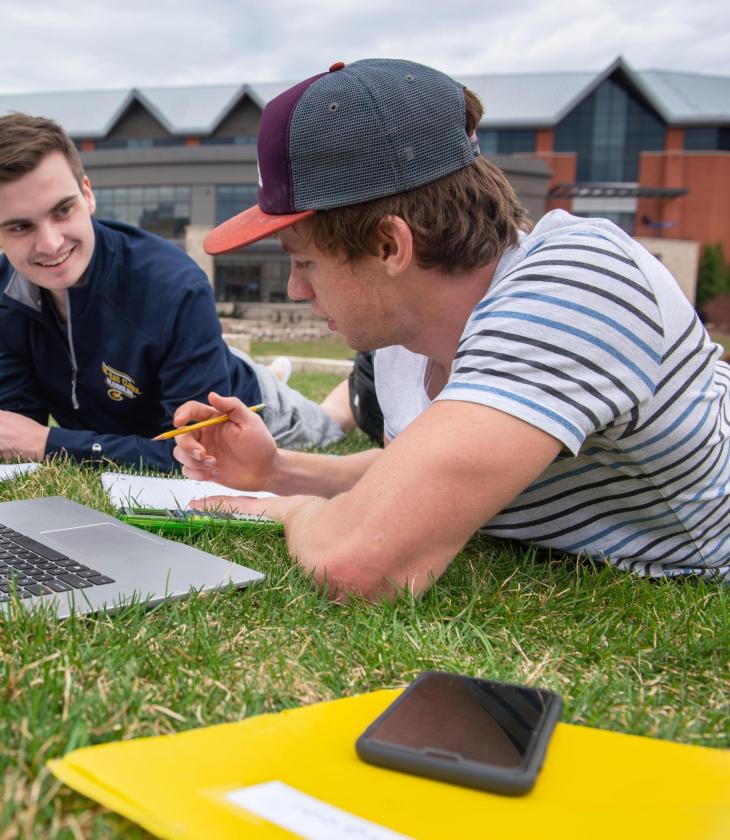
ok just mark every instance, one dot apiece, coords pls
pixel 240 453
pixel 275 507
pixel 21 437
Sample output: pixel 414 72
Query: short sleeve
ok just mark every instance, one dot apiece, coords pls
pixel 569 340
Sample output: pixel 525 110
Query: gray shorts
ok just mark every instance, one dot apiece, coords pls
pixel 293 420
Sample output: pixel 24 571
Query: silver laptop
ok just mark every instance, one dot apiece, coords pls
pixel 54 551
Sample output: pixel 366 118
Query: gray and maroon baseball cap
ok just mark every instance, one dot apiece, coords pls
pixel 359 132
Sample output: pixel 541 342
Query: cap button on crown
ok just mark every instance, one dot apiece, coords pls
pixel 338 65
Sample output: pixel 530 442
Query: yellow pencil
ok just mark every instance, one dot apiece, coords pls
pixel 213 421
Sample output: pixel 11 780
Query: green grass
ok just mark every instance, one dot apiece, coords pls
pixel 315 385
pixel 723 339
pixel 625 654
pixel 333 347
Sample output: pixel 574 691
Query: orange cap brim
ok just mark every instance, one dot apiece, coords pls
pixel 247 227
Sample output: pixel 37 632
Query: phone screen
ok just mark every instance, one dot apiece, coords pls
pixel 461 718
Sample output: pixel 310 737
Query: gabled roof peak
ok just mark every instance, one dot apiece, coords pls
pixel 524 99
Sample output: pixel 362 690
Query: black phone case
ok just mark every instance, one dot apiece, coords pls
pixel 463 772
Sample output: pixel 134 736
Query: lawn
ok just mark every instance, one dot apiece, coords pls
pixel 722 339
pixel 332 347
pixel 625 654
pixel 315 385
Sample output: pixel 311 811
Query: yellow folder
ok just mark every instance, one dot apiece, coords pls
pixel 594 784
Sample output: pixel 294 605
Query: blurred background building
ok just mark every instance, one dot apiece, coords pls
pixel 649 150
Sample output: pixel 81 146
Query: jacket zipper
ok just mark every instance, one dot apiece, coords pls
pixel 72 354
pixel 68 344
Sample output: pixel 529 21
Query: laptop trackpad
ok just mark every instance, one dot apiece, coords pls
pixel 103 540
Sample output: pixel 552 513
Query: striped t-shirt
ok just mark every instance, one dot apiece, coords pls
pixel 585 335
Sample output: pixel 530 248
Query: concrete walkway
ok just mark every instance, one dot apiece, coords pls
pixel 299 363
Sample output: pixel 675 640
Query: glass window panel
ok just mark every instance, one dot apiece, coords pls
pixel 608 130
pixel 512 141
pixel 110 144
pixel 168 141
pixel 234 198
pixel 237 282
pixel 626 221
pixel 144 207
pixel 487 142
pixel 702 139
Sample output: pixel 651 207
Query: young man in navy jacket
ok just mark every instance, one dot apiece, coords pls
pixel 106 327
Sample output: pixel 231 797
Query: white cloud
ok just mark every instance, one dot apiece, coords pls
pixel 66 45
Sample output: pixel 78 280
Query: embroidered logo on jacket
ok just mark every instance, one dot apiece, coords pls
pixel 120 384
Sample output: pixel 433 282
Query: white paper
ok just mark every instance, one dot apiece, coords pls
pixel 13 470
pixel 306 816
pixel 147 491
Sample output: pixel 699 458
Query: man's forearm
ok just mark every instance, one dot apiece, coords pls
pixel 308 473
pixel 404 521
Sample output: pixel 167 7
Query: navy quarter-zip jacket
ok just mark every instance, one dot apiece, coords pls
pixel 142 338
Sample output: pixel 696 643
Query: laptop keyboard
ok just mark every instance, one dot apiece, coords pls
pixel 27 567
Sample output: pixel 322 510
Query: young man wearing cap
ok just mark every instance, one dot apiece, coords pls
pixel 104 326
pixel 554 386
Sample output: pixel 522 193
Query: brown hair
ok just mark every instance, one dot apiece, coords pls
pixel 26 140
pixel 460 222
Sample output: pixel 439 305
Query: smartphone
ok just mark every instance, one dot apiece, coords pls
pixel 479 733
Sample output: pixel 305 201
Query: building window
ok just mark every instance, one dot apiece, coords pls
pixel 236 282
pixel 233 140
pixel 608 130
pixel 161 210
pixel 625 220
pixel 231 199
pixel 261 276
pixel 707 139
pixel 506 141
pixel 139 142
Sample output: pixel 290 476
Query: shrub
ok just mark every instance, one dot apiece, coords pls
pixel 713 278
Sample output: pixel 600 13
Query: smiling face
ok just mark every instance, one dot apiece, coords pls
pixel 45 224
pixel 354 298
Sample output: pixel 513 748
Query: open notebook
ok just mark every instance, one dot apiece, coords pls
pixel 161 503
pixel 14 470
pixel 149 491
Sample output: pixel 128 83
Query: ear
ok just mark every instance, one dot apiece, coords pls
pixel 395 244
pixel 88 194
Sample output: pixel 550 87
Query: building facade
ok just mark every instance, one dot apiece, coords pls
pixel 650 150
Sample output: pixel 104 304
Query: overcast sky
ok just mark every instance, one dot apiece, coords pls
pixel 49 45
